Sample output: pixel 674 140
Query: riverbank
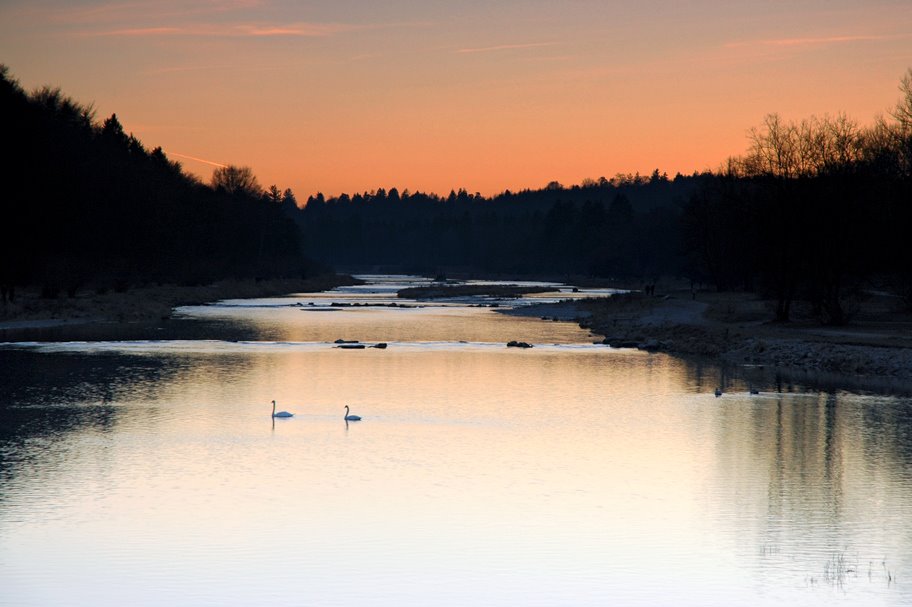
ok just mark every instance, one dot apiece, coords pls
pixel 736 328
pixel 148 303
pixel 445 291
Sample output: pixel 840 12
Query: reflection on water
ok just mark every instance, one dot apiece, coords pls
pixel 152 473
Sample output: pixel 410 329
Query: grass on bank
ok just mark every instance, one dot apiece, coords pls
pixel 155 302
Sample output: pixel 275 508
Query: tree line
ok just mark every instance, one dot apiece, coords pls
pixel 86 205
pixel 624 227
pixel 817 211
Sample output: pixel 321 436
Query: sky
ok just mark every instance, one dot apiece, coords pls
pixel 351 95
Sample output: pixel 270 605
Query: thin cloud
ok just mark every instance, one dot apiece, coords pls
pixel 805 42
pixel 203 160
pixel 254 67
pixel 505 47
pixel 143 9
pixel 305 30
pixel 190 68
pixel 176 69
pixel 138 32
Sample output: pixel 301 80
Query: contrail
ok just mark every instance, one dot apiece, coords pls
pixel 215 164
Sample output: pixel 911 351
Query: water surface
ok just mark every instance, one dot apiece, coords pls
pixel 149 471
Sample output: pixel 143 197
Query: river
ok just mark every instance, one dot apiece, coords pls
pixel 147 469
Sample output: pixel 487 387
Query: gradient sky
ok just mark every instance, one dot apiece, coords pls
pixel 351 95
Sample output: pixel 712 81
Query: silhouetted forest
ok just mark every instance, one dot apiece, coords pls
pixel 85 205
pixel 816 211
pixel 625 227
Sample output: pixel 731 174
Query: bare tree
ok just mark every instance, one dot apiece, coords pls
pixel 774 150
pixel 788 150
pixel 902 133
pixel 236 180
pixel 903 110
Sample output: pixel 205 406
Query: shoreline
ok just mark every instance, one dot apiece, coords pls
pixel 729 328
pixel 734 328
pixel 148 303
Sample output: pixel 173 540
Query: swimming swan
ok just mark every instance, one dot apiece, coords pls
pixel 351 418
pixel 280 413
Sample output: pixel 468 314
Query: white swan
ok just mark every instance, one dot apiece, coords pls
pixel 351 418
pixel 280 413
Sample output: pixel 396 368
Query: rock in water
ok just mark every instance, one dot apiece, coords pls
pixel 518 344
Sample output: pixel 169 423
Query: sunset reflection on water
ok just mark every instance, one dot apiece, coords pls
pixel 152 473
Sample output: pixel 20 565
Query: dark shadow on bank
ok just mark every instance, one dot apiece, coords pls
pixel 707 374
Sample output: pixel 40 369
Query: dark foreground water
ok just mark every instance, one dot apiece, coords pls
pixel 150 472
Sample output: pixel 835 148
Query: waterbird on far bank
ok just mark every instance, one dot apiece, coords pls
pixel 280 413
pixel 718 392
pixel 753 390
pixel 351 418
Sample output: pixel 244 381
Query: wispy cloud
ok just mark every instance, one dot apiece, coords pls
pixel 246 30
pixel 303 29
pixel 107 12
pixel 138 31
pixel 505 47
pixel 806 42
pixel 233 67
pixel 203 160
pixel 176 69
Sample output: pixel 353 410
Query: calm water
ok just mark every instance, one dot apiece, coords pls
pixel 149 472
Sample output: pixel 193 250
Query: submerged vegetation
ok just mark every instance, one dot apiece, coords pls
pixel 839 570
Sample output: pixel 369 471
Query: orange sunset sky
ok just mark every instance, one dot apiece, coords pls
pixel 351 95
